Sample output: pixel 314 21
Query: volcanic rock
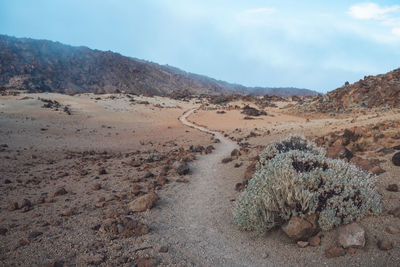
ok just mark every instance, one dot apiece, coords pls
pixel 384 245
pixel 396 159
pixel 334 252
pixel 144 202
pixel 339 152
pixel 59 192
pixel 392 230
pixel 392 188
pixel 351 235
pixel 301 228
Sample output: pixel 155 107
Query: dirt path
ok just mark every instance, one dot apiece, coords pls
pixel 195 219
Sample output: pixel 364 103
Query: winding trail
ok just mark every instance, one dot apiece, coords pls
pixel 195 219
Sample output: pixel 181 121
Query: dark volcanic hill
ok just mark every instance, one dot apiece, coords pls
pixel 372 91
pixel 41 65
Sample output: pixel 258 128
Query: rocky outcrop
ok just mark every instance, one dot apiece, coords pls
pixel 373 91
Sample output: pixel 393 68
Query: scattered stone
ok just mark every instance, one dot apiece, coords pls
pixel 376 170
pixel 396 159
pixel 148 175
pixel 334 252
pixel 209 149
pixel 392 230
pixel 395 212
pixel 302 244
pixel 102 171
pixel 235 153
pixel 351 250
pixel 238 165
pixel 53 264
pixel 68 212
pixel 183 169
pixel 161 181
pixel 315 241
pixel 144 202
pixel 146 262
pixel 163 249
pixel 94 259
pixel 13 206
pixel 24 203
pixel 250 111
pixel 96 187
pixel 182 180
pixel 393 188
pixel 226 160
pixel 35 234
pixel 384 245
pixel 339 151
pixel 3 231
pixel 240 186
pixel 301 228
pixel 23 242
pixel 59 192
pixel 351 235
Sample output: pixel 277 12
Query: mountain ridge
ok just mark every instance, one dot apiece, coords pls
pixel 43 65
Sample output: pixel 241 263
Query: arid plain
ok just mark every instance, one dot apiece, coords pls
pixel 73 168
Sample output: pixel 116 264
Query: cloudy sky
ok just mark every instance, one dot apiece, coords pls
pixel 307 44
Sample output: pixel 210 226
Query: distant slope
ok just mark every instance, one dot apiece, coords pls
pixel 41 65
pixel 281 91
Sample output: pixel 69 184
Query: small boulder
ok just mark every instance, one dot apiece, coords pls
pixel 314 241
pixel 396 159
pixel 59 192
pixel 226 160
pixel 393 188
pixel 163 249
pixel 339 151
pixel 35 234
pixel 144 202
pixel 13 206
pixel 301 228
pixel 392 230
pixel 384 245
pixel 235 153
pixel 302 244
pixel 24 203
pixel 395 212
pixel 181 168
pixel 334 252
pixel 351 235
pixel 96 187
pixel 102 171
pixel 3 231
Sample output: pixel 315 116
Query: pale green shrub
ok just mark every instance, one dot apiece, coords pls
pixel 298 183
pixel 292 142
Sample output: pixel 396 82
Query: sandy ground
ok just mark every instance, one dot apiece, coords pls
pixel 48 149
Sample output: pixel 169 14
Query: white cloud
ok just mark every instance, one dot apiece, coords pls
pixel 396 31
pixel 383 23
pixel 253 16
pixel 371 11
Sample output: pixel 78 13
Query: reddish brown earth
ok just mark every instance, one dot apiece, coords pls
pixel 71 184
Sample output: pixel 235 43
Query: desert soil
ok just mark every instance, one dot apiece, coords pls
pixel 191 224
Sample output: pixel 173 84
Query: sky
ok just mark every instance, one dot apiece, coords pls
pixel 310 44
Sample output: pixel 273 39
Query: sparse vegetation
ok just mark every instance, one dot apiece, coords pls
pixel 294 178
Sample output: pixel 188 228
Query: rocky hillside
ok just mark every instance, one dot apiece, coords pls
pixel 372 91
pixel 40 65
